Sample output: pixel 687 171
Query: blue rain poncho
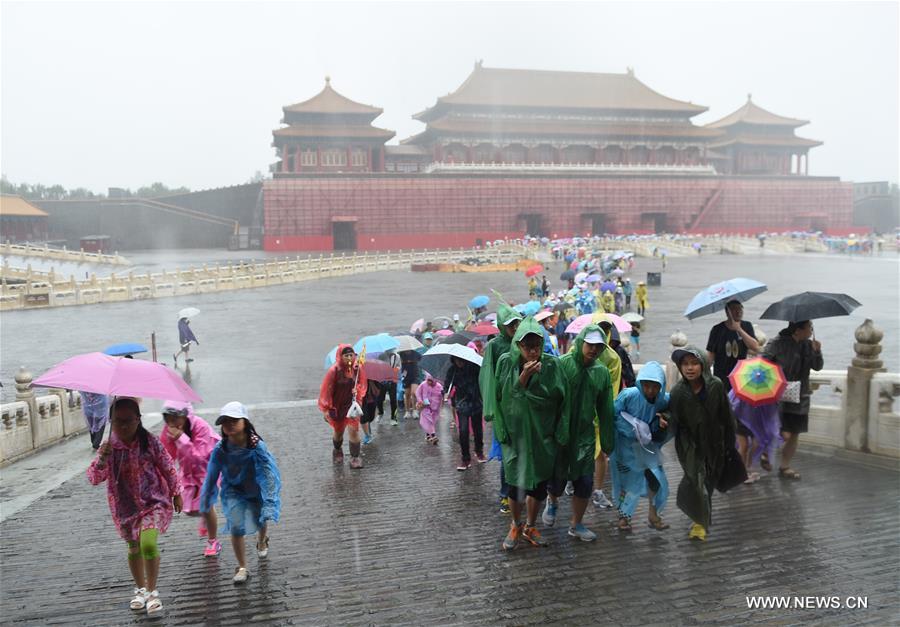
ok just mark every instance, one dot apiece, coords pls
pixel 250 486
pixel 639 442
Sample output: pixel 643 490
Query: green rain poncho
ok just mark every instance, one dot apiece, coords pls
pixel 589 398
pixel 704 427
pixel 529 422
pixel 487 377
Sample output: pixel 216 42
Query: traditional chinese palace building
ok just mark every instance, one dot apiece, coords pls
pixel 546 153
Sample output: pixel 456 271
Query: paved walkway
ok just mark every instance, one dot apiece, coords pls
pixel 408 540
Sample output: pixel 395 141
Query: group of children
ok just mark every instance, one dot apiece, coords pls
pixel 185 469
pixel 557 420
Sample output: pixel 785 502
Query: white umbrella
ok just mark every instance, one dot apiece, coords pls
pixel 455 350
pixel 407 343
pixel 188 312
pixel 632 317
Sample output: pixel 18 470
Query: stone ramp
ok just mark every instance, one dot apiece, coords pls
pixel 408 540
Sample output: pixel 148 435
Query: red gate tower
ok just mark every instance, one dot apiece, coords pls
pixel 515 152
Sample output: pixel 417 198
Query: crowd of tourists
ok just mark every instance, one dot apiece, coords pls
pixel 553 378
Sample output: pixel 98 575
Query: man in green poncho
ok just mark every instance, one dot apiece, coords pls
pixel 529 423
pixel 508 320
pixel 589 397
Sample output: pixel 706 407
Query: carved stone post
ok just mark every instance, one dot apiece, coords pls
pixel 676 340
pixel 26 394
pixel 859 378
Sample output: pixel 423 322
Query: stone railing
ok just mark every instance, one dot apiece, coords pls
pixel 47 291
pixel 636 168
pixel 61 254
pixel 853 409
pixel 32 421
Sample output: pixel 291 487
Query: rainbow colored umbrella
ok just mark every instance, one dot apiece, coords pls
pixel 758 381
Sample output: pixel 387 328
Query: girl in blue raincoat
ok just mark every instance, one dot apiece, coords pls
pixel 250 486
pixel 641 432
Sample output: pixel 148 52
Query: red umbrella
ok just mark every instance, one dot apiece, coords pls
pixel 535 269
pixel 484 329
pixel 379 371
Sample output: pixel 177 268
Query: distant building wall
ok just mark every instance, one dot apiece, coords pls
pixel 418 211
pixel 133 227
pixel 876 205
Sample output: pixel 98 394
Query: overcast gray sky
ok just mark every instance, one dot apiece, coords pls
pixel 124 94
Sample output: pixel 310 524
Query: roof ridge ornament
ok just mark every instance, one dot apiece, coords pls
pixel 749 97
pixel 327 79
pixel 629 70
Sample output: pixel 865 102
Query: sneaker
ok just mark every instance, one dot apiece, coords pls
pixel 697 532
pixel 213 548
pixel 504 505
pixel 264 551
pixel 464 465
pixel 394 422
pixel 599 500
pixel 582 533
pixel 481 459
pixel 367 438
pixel 534 536
pixel 356 463
pixel 570 488
pixel 337 456
pixel 154 605
pixel 241 575
pixel 549 515
pixel 140 599
pixel 512 538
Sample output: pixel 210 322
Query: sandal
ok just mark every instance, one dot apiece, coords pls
pixel 624 525
pixel 764 462
pixel 140 599
pixel 752 477
pixel 657 524
pixel 264 551
pixel 154 605
pixel 789 473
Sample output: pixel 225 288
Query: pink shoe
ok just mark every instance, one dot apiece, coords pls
pixel 213 548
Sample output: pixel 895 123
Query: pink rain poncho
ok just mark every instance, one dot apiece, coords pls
pixel 431 396
pixel 140 485
pixel 191 453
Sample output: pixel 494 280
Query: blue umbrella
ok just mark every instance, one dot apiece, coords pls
pixel 530 308
pixel 607 286
pixel 376 343
pixel 594 278
pixel 479 301
pixel 330 358
pixel 714 297
pixel 128 348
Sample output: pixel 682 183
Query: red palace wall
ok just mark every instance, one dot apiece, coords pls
pixel 435 211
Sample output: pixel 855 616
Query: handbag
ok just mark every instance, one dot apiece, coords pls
pixel 733 471
pixel 791 392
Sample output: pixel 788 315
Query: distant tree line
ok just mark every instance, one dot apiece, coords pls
pixel 39 191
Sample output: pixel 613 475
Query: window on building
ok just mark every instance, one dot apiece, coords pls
pixel 515 153
pixel 544 154
pixel 358 157
pixel 483 153
pixel 334 156
pixel 308 157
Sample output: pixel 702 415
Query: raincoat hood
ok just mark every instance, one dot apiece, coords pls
pixel 505 313
pixel 680 354
pixel 338 363
pixel 177 407
pixel 526 327
pixel 578 344
pixel 651 371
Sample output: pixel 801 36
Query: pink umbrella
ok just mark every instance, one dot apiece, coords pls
pixel 621 324
pixel 117 376
pixel 418 326
pixel 579 323
pixel 444 332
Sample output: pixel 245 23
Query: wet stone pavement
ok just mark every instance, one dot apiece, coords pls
pixel 409 540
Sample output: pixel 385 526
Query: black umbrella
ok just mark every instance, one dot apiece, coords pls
pixel 563 306
pixel 461 337
pixel 568 275
pixel 810 306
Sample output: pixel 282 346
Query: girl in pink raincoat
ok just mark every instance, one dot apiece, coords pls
pixel 429 396
pixel 143 490
pixel 190 440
